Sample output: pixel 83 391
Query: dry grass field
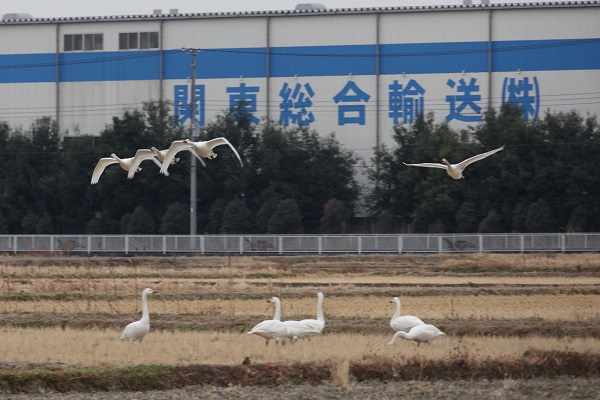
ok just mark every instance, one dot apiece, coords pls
pixel 69 312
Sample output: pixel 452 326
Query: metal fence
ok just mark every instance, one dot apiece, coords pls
pixel 302 244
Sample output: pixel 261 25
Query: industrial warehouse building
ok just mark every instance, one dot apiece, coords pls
pixel 355 72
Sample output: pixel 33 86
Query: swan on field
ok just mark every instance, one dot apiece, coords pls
pixel 455 170
pixel 403 322
pixel 202 149
pixel 420 333
pixel 299 330
pixel 138 329
pixel 272 328
pixel 319 323
pixel 140 156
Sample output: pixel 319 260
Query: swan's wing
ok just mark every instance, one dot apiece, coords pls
pixel 218 141
pixel 406 323
pixel 314 324
pixel 176 147
pixel 427 165
pixel 102 164
pixel 140 155
pixel 160 154
pixel 159 164
pixel 463 164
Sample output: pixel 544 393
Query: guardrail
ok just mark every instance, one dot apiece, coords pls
pixel 302 244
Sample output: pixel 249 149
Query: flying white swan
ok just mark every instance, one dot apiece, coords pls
pixel 319 323
pixel 161 154
pixel 198 149
pixel 125 163
pixel 272 328
pixel 404 322
pixel 138 329
pixel 419 333
pixel 455 170
pixel 140 156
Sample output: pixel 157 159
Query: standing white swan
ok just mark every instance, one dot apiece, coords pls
pixel 455 170
pixel 138 329
pixel 299 330
pixel 403 322
pixel 198 149
pixel 319 323
pixel 420 333
pixel 308 328
pixel 272 328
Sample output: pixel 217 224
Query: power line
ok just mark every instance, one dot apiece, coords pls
pixel 539 44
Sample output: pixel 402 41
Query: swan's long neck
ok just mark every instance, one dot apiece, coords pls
pixel 277 316
pixel 397 313
pixel 145 312
pixel 320 316
pixel 397 335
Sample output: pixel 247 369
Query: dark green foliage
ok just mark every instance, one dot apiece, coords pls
pixel 140 222
pixel 544 181
pixel 335 217
pixel 176 220
pixel 286 218
pixel 237 217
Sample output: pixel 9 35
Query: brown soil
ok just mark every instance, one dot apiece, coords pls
pixel 554 374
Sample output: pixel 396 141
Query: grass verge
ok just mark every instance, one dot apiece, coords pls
pixel 532 364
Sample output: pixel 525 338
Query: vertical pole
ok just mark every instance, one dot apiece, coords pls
pixel 194 132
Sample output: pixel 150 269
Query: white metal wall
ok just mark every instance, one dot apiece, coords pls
pixel 87 106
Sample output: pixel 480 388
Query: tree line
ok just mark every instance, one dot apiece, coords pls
pixel 545 180
pixel 295 180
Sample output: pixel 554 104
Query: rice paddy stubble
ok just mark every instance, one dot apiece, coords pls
pixel 96 348
pixel 545 307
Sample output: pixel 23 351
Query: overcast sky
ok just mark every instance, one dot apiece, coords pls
pixel 84 8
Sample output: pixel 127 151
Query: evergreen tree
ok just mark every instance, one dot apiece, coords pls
pixel 140 222
pixel 286 218
pixel 237 217
pixel 335 217
pixel 176 220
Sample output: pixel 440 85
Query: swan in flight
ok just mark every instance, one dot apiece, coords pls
pixel 420 333
pixel 138 329
pixel 143 155
pixel 455 170
pixel 319 323
pixel 126 163
pixel 198 149
pixel 161 154
pixel 404 322
pixel 272 328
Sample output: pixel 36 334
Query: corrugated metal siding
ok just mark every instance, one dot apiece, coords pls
pixel 555 48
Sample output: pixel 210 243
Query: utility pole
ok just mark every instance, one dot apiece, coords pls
pixel 195 136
